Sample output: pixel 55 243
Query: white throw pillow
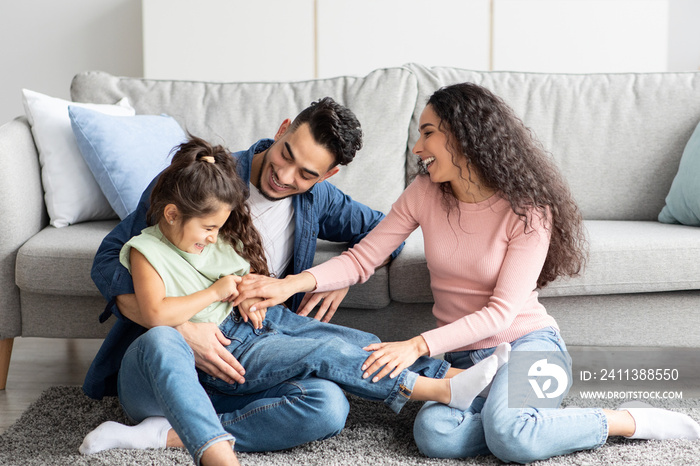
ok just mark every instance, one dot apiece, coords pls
pixel 70 191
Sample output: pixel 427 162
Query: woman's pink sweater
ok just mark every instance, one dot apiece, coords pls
pixel 483 266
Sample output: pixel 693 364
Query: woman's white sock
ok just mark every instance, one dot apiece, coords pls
pixel 660 424
pixel 475 381
pixel 152 432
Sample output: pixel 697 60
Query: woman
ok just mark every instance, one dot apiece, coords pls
pixel 494 199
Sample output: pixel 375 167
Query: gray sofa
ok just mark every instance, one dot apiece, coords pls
pixel 618 139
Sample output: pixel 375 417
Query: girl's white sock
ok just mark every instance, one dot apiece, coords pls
pixel 476 380
pixel 152 432
pixel 660 424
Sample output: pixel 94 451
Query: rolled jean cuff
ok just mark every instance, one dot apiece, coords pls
pixel 604 428
pixel 402 391
pixel 442 371
pixel 220 438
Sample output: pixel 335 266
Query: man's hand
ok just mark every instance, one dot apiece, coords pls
pixel 329 303
pixel 210 353
pixel 393 357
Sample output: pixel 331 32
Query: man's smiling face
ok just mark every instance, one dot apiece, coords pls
pixel 293 164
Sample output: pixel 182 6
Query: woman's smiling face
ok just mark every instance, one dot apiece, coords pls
pixel 432 148
pixel 435 151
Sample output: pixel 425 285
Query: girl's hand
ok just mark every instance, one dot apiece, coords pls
pixel 226 288
pixel 393 357
pixel 256 317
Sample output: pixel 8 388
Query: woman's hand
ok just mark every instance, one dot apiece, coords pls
pixel 273 290
pixel 393 357
pixel 256 317
pixel 226 288
pixel 329 303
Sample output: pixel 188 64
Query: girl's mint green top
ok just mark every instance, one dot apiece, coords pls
pixel 184 273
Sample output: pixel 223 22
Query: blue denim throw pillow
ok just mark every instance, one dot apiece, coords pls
pixel 125 153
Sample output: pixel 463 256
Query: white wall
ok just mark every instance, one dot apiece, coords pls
pixel 581 36
pixel 684 37
pixel 44 43
pixel 358 36
pixel 352 37
pixel 229 40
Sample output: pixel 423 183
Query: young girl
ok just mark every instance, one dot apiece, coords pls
pixel 492 198
pixel 187 265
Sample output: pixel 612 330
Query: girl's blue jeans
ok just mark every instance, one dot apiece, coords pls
pixel 295 369
pixel 508 423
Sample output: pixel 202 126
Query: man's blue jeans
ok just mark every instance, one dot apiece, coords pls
pixel 511 429
pixel 289 397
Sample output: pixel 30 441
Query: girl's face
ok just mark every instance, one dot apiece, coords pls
pixel 432 148
pixel 195 233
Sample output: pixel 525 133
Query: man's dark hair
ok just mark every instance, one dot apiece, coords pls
pixel 334 127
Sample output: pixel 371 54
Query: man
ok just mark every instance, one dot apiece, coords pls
pixel 292 206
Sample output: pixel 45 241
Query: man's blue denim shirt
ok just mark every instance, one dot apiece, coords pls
pixel 323 212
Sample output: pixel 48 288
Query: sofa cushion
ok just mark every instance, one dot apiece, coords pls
pixel 635 257
pixel 617 138
pixel 125 153
pixel 58 260
pixel 683 200
pixel 237 114
pixel 373 294
pixel 409 278
pixel 70 191
pixel 625 257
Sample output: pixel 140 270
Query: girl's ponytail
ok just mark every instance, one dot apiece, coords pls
pixel 199 179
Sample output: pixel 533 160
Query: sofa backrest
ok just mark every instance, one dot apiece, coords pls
pixel 617 138
pixel 238 114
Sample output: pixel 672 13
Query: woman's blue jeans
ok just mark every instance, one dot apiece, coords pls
pixel 295 367
pixel 508 424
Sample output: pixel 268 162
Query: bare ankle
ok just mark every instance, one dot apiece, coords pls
pixel 620 423
pixel 427 389
pixel 220 454
pixel 173 440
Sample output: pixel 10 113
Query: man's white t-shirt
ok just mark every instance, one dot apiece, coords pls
pixel 275 222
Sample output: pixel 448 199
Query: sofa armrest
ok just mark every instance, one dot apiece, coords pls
pixel 22 212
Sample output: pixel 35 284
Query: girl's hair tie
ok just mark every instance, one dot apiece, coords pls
pixel 208 158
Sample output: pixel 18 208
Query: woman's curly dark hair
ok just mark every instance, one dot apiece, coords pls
pixel 508 158
pixel 200 178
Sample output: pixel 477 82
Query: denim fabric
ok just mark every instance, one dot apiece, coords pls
pixel 158 378
pixel 291 346
pixel 324 212
pixel 283 402
pixel 513 434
